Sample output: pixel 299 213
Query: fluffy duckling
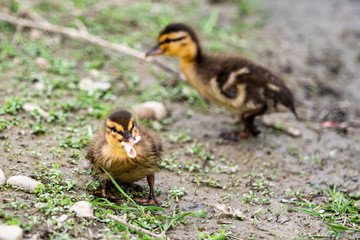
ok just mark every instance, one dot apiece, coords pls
pixel 234 82
pixel 128 152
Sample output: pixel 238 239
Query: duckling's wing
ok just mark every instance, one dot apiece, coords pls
pixel 229 78
pixel 260 83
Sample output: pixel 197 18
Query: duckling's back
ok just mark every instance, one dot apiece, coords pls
pixel 237 83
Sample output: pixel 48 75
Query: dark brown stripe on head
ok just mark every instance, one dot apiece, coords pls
pixel 121 117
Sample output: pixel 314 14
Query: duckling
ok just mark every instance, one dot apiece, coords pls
pixel 128 152
pixel 234 82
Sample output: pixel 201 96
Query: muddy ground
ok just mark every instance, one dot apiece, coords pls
pixel 315 46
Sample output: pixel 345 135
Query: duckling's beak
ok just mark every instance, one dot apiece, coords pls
pixel 128 144
pixel 128 137
pixel 155 51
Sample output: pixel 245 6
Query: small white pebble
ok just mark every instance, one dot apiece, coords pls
pixel 90 85
pixel 36 34
pixel 94 73
pixel 42 62
pixel 63 218
pixel 29 107
pixel 40 205
pixel 39 86
pixel 151 110
pixel 83 209
pixel 2 178
pixel 24 182
pixel 10 232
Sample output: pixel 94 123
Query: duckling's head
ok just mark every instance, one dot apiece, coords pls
pixel 121 131
pixel 178 40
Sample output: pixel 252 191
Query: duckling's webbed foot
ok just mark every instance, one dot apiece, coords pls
pixel 234 135
pixel 104 192
pixel 151 201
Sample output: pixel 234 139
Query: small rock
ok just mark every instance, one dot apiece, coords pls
pixel 63 218
pixel 26 183
pixel 89 85
pixel 10 232
pixel 16 60
pixel 42 62
pixel 36 34
pixel 83 209
pixel 39 86
pixel 95 73
pixel 151 110
pixel 228 211
pixel 186 91
pixel 29 107
pixel 40 205
pixel 56 39
pixel 2 178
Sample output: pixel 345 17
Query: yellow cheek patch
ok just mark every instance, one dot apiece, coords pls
pixel 118 137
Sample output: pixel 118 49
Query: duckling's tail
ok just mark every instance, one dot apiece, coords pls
pixel 286 98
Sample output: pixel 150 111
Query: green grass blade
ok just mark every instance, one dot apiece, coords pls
pixel 307 211
pixel 345 207
pixel 120 189
pixel 200 213
pixel 338 227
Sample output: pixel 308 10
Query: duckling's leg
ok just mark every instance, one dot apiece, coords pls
pixel 151 201
pixel 248 121
pixel 104 192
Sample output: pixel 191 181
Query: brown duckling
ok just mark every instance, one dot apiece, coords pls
pixel 128 152
pixel 234 82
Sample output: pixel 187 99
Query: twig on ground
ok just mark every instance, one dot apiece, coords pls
pixel 123 222
pixel 73 33
pixel 83 35
pixel 287 129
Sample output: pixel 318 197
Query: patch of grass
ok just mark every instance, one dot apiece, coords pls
pixel 177 192
pixel 148 217
pixel 13 106
pixel 223 233
pixel 202 179
pixel 4 124
pixel 339 211
pixel 260 190
pixel 77 143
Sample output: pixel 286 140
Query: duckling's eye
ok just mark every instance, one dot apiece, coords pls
pixel 114 130
pixel 167 40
